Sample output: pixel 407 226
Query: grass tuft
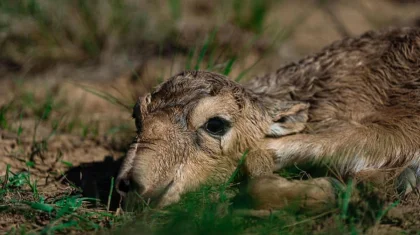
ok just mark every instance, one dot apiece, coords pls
pixel 65 213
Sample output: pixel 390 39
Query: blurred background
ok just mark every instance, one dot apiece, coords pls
pixel 70 70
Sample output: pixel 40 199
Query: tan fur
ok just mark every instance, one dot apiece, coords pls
pixel 355 105
pixel 276 192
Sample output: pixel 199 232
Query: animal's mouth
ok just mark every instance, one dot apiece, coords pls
pixel 153 199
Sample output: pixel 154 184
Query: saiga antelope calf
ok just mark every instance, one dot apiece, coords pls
pixel 354 106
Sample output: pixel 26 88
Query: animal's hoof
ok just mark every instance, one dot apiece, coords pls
pixel 407 182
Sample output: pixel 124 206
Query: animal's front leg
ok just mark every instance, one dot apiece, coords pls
pixel 354 149
pixel 295 149
pixel 351 147
pixel 274 192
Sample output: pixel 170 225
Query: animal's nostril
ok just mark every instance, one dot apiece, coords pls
pixel 123 186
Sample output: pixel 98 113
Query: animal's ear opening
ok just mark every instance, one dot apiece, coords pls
pixel 288 118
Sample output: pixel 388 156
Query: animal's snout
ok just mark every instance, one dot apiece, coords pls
pixel 125 184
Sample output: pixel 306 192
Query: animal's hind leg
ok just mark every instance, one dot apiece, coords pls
pixel 391 182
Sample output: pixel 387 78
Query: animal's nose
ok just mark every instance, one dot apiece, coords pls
pixel 122 186
pixel 125 184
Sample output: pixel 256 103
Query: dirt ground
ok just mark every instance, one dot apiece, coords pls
pixel 65 117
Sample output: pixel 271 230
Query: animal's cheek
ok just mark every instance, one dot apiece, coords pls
pixel 200 169
pixel 228 143
pixel 189 176
pixel 206 145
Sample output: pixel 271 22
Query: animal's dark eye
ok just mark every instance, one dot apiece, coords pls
pixel 217 126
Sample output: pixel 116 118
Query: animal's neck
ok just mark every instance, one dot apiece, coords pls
pixel 281 86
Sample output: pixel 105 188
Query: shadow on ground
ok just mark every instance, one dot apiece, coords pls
pixel 95 180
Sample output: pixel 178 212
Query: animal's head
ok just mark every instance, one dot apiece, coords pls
pixel 195 127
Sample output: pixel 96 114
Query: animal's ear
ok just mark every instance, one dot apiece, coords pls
pixel 288 117
pixel 139 110
pixel 137 115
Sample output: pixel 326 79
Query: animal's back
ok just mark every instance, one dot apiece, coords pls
pixel 364 96
pixel 354 78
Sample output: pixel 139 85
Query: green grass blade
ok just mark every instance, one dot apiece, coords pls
pixel 190 56
pixel 204 49
pixel 382 213
pixel 111 190
pixel 346 199
pixel 108 97
pixel 40 206
pixel 229 65
pixel 175 7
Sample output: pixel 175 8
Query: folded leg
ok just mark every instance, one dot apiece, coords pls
pixel 379 142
